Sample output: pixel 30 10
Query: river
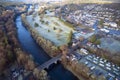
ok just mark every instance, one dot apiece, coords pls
pixel 56 71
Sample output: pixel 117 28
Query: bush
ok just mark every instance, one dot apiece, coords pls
pixel 42 21
pixel 97 42
pixel 48 30
pixel 101 22
pixel 54 28
pixel 36 24
pixel 69 38
pixel 92 39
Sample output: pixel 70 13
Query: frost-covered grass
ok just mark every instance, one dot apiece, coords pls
pixel 66 23
pixel 51 28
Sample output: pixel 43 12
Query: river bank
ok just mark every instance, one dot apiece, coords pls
pixel 14 61
pixel 55 71
pixel 47 46
pixel 28 53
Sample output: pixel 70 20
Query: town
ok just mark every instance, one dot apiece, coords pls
pixel 59 40
pixel 95 38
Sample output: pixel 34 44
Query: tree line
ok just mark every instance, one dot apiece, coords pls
pixel 10 49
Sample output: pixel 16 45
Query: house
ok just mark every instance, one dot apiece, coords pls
pixel 113 24
pixel 98 46
pixel 104 30
pixel 89 44
pixel 84 51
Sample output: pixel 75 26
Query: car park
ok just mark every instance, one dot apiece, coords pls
pixel 100 66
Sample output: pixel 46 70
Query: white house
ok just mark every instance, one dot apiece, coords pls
pixel 82 50
pixel 113 24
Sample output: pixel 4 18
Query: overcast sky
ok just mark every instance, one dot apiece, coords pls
pixel 59 0
pixel 41 0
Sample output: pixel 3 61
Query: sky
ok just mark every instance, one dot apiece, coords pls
pixel 38 0
pixel 118 1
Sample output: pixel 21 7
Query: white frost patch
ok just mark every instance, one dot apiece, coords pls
pixel 58 36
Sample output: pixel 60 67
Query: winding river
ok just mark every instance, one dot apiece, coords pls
pixel 55 71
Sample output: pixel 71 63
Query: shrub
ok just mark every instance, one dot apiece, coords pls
pixel 36 24
pixel 97 42
pixel 54 28
pixel 48 30
pixel 92 39
pixel 69 38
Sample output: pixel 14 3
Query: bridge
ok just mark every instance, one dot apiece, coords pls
pixel 50 62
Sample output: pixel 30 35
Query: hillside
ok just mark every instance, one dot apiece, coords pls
pixel 91 1
pixel 68 1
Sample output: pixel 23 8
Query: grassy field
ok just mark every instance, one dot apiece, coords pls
pixel 51 28
pixel 8 3
pixel 66 23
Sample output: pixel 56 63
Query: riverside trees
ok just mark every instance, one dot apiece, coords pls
pixel 7 44
pixel 10 51
pixel 94 40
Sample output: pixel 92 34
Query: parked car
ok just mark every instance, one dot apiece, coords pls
pixel 86 63
pixel 15 74
pixel 92 68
